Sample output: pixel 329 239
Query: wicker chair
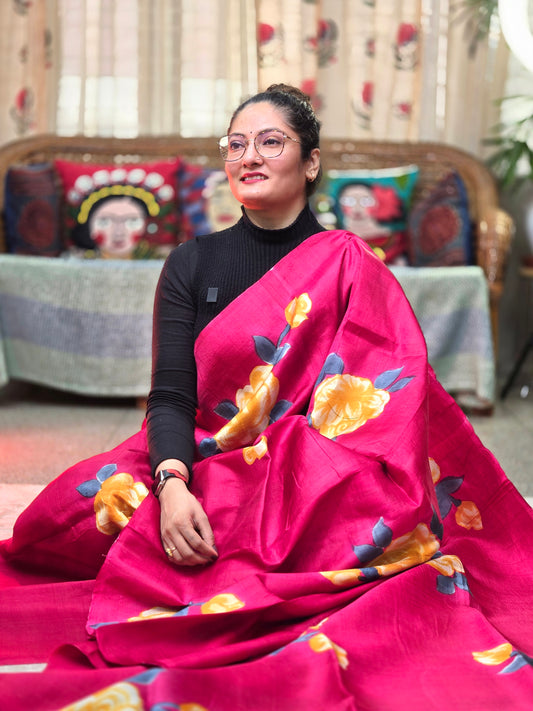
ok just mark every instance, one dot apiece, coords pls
pixel 493 228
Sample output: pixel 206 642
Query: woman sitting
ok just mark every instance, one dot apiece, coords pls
pixel 325 529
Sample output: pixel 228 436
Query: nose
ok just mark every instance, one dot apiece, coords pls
pixel 251 154
pixel 119 228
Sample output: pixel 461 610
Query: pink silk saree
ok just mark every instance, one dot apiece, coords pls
pixel 373 555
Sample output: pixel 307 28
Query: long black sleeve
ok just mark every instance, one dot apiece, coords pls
pixel 171 404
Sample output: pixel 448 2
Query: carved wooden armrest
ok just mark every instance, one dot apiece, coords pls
pixel 496 231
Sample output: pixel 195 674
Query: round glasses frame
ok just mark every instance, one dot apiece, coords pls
pixel 261 148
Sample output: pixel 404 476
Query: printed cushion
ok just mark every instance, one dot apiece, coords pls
pixel 439 226
pixel 120 211
pixel 207 203
pixel 31 208
pixel 372 204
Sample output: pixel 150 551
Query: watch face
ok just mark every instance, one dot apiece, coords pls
pixel 159 480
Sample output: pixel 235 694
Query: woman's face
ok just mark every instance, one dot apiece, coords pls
pixel 356 202
pixel 274 186
pixel 116 226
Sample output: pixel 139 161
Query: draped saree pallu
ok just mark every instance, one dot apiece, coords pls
pixel 372 554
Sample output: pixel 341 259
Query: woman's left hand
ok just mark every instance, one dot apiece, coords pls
pixel 185 529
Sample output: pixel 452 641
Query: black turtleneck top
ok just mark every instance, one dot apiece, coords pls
pixel 199 279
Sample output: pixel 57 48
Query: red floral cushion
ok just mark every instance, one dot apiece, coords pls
pixel 31 209
pixel 439 226
pixel 120 211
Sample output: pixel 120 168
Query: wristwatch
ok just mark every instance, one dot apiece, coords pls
pixel 163 476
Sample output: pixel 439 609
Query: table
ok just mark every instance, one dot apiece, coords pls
pixel 85 326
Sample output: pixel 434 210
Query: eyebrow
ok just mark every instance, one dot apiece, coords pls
pixel 271 128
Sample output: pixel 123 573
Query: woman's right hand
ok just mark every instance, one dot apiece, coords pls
pixel 185 529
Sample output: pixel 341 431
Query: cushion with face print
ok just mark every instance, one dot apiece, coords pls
pixel 120 211
pixel 207 203
pixel 373 204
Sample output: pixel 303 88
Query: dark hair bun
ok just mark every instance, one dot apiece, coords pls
pixel 288 89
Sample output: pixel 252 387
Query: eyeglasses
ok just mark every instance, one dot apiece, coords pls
pixel 268 143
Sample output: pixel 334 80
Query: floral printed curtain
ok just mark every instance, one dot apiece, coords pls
pixel 27 67
pixel 376 69
pixel 384 69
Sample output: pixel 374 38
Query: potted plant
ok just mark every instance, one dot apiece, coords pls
pixel 512 159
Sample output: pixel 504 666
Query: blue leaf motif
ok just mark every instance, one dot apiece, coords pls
pixel 369 574
pixel 265 349
pixel 381 534
pixel 105 472
pixel 436 526
pixel 401 383
pixel 450 484
pixel 387 378
pixel 279 409
pixel 445 585
pixel 461 582
pixel 443 489
pixel 334 365
pixel 280 352
pixel 226 409
pixel 445 504
pixel 517 663
pixel 89 488
pixel 366 553
pixel 208 447
pixel 146 677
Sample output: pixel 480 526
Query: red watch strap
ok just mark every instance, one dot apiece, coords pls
pixel 179 475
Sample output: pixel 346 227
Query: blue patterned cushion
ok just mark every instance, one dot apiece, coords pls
pixel 31 209
pixel 439 226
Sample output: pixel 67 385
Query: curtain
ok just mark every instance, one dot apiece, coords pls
pixel 385 69
pixel 197 61
pixel 376 69
pixel 28 68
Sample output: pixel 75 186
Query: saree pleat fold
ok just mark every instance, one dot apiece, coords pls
pixel 372 553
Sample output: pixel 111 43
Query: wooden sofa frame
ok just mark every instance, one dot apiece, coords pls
pixel 492 227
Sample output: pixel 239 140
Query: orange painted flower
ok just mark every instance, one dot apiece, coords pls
pixel 467 515
pixel 225 602
pixel 343 403
pixel 404 552
pixel 296 312
pixel 343 578
pixel 496 655
pixel 119 697
pixel 257 451
pixel 153 613
pixel 434 469
pixel 116 502
pixel 321 643
pixel 447 565
pixel 255 401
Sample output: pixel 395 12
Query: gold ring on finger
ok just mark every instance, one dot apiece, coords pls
pixel 169 551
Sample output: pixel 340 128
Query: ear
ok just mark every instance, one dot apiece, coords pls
pixel 313 164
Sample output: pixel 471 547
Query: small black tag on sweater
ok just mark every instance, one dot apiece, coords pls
pixel 212 295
